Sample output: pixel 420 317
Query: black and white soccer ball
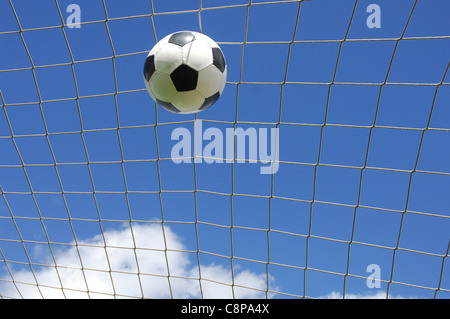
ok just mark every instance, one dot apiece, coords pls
pixel 185 72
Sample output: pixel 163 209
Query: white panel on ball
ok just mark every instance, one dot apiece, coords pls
pixel 197 55
pixel 209 81
pixel 205 39
pixel 168 58
pixel 188 102
pixel 162 87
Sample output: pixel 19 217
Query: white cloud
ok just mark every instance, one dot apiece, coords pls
pixel 375 295
pixel 124 261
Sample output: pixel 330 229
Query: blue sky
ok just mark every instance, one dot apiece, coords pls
pixel 364 134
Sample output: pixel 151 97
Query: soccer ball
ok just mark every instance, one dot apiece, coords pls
pixel 185 72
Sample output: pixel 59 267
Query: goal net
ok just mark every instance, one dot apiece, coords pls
pixel 323 171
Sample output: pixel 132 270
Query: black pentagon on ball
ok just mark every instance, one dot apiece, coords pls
pixel 168 106
pixel 149 67
pixel 218 59
pixel 182 38
pixel 210 101
pixel 184 78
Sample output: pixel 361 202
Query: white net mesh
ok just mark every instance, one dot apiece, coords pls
pixel 93 206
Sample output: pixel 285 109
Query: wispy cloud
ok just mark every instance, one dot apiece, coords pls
pixel 160 277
